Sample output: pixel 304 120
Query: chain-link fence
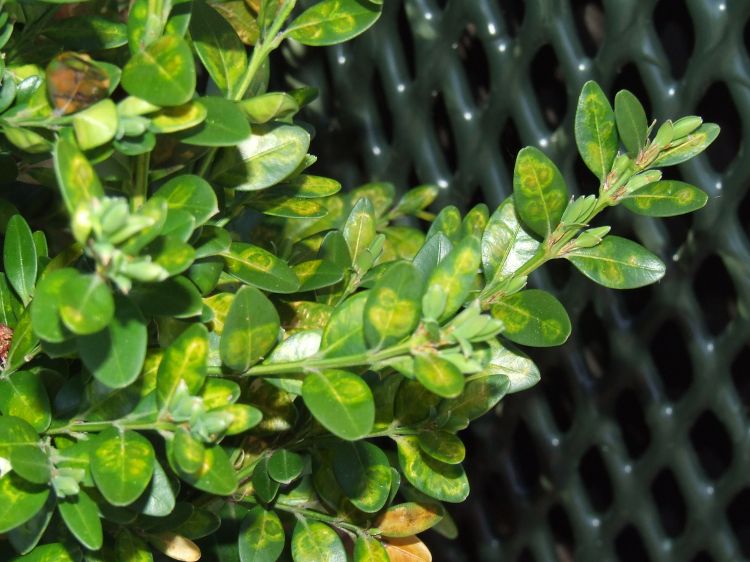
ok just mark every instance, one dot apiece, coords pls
pixel 635 446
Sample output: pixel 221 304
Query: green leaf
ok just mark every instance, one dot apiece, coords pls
pixel 52 552
pixel 453 278
pixel 23 395
pixel 19 501
pixel 10 305
pixel 170 252
pixel 264 487
pixel 539 191
pixel 595 131
pixel 31 464
pixel 96 125
pixel 201 523
pixel 363 472
pixel 368 549
pixel 632 123
pixel 225 124
pixel 81 516
pixel 533 318
pixel 267 157
pixel 163 73
pixel 122 464
pixel 244 417
pixel 19 257
pixel 186 359
pixel 333 21
pixel 666 198
pixel 316 274
pixel 448 222
pixel 131 548
pixel 24 342
pixel 341 402
pixel 689 147
pixel 344 332
pixel 443 446
pixel 506 245
pixel 285 466
pixel 159 498
pixel 270 106
pixel 445 482
pixel 393 306
pixel 188 451
pixel 359 229
pixel 217 476
pixel 86 304
pixel 286 206
pixel 115 354
pixel 174 119
pixel 192 194
pixel 251 329
pixel 314 541
pixel 218 47
pixel 25 537
pixel 261 537
pixel 618 263
pixel 14 433
pixel 258 267
pixel 176 297
pixel 76 177
pixel 45 307
pixel 438 375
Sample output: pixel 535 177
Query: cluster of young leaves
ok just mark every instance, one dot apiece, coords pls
pixel 220 355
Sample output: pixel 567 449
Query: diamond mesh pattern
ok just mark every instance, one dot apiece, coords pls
pixel 635 445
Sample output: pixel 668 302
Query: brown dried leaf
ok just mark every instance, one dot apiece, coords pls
pixel 409 518
pixel 407 549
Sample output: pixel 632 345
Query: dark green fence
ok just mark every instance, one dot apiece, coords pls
pixel 636 445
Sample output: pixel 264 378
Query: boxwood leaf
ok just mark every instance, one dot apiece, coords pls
pixel 122 464
pixel 19 501
pixel 539 191
pixel 359 228
pixel 363 472
pixel 176 297
pixel 445 482
pixel 443 446
pixel 632 124
pixel 45 308
pixel 186 359
pixel 316 274
pixel 96 125
pixel 506 245
pixel 695 143
pixel 218 47
pixel 225 124
pixel 409 518
pixel 192 194
pixel 314 541
pixel 19 257
pixel 618 263
pixel 344 332
pixel 31 464
pixel 23 395
pixel 23 343
pixel 533 318
pixel 407 548
pixel 163 73
pixel 217 476
pixel 666 198
pixel 264 159
pixel 261 537
pixel 258 267
pixel 341 401
pixel 393 307
pixel 250 330
pixel 270 106
pixel 115 354
pixel 81 517
pixel 178 117
pixel 264 487
pixel 188 451
pixel 595 131
pixel 285 466
pixel 438 375
pixel 453 277
pixel 131 548
pixel 25 537
pixel 369 549
pixel 14 433
pixel 86 304
pixel 333 21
